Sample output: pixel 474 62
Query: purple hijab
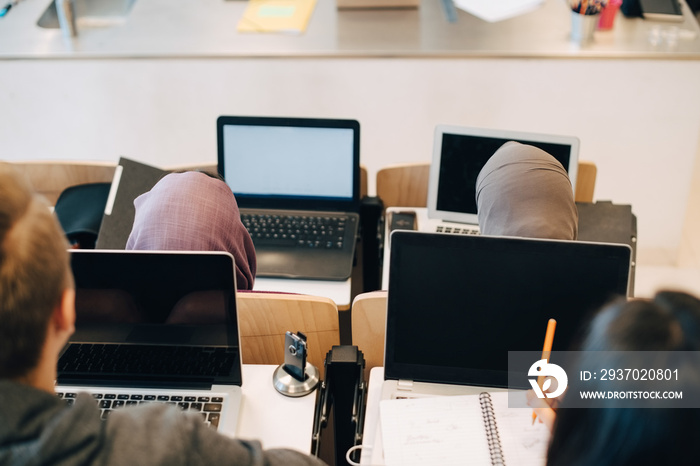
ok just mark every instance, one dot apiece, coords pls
pixel 192 211
pixel 524 191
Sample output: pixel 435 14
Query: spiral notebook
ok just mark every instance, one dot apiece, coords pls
pixel 456 430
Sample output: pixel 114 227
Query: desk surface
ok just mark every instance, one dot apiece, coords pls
pixel 207 29
pixel 374 394
pixel 266 415
pixel 338 291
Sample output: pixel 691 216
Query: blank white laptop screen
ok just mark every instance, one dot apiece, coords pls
pixel 289 161
pixel 459 154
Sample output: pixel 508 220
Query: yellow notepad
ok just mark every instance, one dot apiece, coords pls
pixel 290 16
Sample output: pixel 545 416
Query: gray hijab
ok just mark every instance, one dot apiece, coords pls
pixel 524 191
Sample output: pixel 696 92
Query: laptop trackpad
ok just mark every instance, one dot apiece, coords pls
pixel 160 334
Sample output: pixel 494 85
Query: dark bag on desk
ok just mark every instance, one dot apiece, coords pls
pixel 605 222
pixel 631 8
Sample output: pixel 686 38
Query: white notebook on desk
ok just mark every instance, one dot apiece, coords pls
pixel 456 430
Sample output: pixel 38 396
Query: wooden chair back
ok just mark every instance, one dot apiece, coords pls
pixel 264 318
pixel 50 178
pixel 369 327
pixel 585 181
pixel 363 181
pixel 406 185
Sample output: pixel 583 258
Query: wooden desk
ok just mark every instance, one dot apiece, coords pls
pixel 275 420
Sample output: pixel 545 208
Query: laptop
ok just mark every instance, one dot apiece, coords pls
pixel 459 154
pixel 297 183
pixel 155 327
pixel 458 303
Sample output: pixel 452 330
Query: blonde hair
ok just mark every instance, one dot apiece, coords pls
pixel 34 272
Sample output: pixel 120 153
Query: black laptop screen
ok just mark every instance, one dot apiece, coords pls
pixel 292 163
pixel 458 304
pixel 172 302
pixel 461 160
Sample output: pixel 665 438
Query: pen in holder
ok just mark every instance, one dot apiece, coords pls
pixel 296 377
pixel 65 10
pixel 584 18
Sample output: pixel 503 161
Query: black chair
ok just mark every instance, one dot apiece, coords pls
pixel 80 209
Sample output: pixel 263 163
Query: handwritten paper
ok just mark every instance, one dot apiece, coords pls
pixel 524 443
pixel 438 430
pixel 450 430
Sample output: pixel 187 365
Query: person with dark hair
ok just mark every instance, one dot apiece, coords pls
pixel 194 211
pixel 631 436
pixel 37 316
pixel 524 191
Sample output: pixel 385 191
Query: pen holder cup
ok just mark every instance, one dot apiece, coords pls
pixel 582 27
pixel 607 14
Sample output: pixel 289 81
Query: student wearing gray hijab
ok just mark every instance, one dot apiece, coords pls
pixel 524 191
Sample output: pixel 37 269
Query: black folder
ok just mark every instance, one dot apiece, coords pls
pixel 661 10
pixel 136 178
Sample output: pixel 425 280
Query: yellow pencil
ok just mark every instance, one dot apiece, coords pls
pixel 546 351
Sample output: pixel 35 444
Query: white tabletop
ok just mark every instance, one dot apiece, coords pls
pixel 276 420
pixel 207 29
pixel 338 291
pixel 374 395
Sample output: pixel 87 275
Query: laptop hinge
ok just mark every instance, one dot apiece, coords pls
pixel 406 385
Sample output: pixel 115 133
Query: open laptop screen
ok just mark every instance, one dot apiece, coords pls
pixel 290 162
pixel 158 299
pixel 457 304
pixel 460 153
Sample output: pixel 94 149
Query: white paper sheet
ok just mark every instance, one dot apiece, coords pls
pixel 497 10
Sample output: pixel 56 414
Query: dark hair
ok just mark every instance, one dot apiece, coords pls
pixel 34 273
pixel 634 436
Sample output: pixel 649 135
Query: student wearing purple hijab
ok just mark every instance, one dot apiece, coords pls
pixel 524 191
pixel 193 211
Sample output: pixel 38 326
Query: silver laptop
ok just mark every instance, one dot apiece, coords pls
pixel 155 327
pixel 458 303
pixel 459 154
pixel 297 183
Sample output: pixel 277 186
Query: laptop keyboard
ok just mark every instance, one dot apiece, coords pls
pixel 457 230
pixel 209 407
pixel 85 358
pixel 323 232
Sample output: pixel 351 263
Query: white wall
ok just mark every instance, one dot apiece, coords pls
pixel 638 120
